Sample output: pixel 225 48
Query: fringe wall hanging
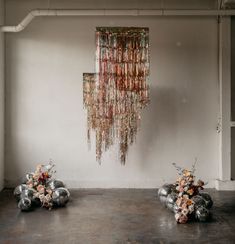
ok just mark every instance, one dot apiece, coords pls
pixel 116 93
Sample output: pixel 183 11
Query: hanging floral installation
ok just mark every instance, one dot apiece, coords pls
pixel 115 95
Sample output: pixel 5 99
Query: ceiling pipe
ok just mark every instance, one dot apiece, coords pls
pixel 112 12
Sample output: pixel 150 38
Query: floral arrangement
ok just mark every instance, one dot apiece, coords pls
pixel 186 190
pixel 40 187
pixel 184 197
pixel 38 182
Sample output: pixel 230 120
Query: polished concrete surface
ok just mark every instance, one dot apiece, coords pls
pixel 114 216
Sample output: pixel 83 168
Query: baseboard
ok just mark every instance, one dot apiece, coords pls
pixel 228 185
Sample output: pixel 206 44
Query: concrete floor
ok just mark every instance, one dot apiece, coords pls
pixel 114 216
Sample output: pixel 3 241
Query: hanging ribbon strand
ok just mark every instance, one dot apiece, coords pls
pixel 116 94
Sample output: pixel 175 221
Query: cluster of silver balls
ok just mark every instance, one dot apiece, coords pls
pixel 27 200
pixel 202 202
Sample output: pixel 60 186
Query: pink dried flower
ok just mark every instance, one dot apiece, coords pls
pixel 41 189
pixel 181 218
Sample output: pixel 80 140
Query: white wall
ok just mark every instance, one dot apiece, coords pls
pixel 1 96
pixel 44 111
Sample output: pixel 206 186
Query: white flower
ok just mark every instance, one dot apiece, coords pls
pixel 184 211
pixel 48 197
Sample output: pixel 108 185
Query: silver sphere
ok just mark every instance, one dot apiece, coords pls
pixel 28 193
pixel 24 204
pixel 18 190
pixel 60 196
pixel 170 201
pixel 207 198
pixel 53 184
pixel 163 200
pixel 198 201
pixel 166 190
pixel 202 214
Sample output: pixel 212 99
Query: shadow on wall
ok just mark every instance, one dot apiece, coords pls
pixel 159 120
